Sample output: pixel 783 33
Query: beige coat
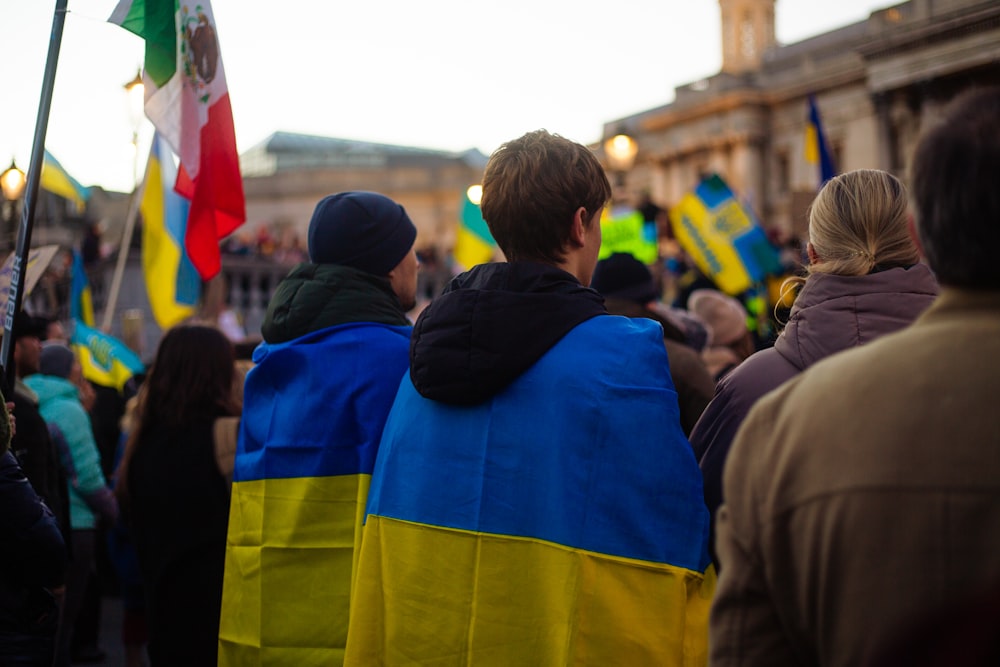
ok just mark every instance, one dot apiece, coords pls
pixel 864 494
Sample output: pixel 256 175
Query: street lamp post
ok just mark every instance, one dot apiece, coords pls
pixel 620 150
pixel 12 182
pixel 136 91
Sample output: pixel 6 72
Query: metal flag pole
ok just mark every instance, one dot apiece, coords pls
pixel 15 298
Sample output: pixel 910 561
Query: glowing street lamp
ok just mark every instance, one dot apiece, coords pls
pixel 12 183
pixel 620 150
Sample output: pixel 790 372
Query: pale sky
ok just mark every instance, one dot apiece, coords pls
pixel 442 74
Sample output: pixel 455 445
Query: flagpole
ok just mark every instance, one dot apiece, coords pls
pixel 123 250
pixel 23 247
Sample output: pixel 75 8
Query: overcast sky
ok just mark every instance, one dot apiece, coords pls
pixel 445 74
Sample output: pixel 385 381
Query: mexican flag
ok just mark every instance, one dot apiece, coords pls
pixel 188 102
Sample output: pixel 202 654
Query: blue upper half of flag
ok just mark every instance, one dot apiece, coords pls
pixel 594 461
pixel 315 406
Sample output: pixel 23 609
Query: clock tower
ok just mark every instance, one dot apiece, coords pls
pixel 747 31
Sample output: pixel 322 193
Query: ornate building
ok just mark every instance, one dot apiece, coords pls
pixel 877 83
pixel 287 174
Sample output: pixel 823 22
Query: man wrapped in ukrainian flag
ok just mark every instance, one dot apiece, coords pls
pixel 534 500
pixel 336 338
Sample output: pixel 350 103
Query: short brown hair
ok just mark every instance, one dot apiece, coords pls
pixel 532 187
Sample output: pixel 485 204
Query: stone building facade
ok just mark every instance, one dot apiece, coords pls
pixel 877 83
pixel 287 174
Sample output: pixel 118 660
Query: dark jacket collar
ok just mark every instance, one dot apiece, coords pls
pixel 490 325
pixel 317 296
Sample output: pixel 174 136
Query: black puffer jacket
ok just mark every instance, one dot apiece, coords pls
pixel 32 560
pixel 490 325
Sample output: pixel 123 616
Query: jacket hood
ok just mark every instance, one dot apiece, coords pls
pixel 490 325
pixel 47 387
pixel 317 296
pixel 834 313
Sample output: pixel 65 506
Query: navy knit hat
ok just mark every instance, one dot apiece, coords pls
pixel 56 359
pixel 364 230
pixel 622 276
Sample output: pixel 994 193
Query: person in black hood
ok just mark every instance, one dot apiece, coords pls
pixel 534 498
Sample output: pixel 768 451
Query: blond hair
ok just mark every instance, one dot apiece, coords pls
pixel 858 224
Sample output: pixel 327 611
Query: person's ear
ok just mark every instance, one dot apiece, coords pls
pixel 578 231
pixel 811 253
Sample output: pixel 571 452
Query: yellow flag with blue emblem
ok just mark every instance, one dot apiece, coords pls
pixel 105 360
pixel 722 237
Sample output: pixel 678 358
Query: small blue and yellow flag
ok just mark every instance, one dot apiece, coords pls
pixel 105 360
pixel 57 180
pixel 474 244
pixel 81 300
pixel 817 150
pixel 722 237
pixel 172 283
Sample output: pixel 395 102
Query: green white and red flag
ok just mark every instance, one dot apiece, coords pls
pixel 187 101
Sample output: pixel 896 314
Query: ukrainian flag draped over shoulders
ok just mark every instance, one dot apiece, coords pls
pixel 313 413
pixel 561 522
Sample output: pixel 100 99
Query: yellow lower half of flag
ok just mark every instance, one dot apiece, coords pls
pixel 811 144
pixel 435 596
pixel 471 250
pixel 290 557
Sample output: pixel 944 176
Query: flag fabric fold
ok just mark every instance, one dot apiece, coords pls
pixel 187 100
pixel 81 299
pixel 105 360
pixel 816 147
pixel 57 180
pixel 299 491
pixel 172 282
pixel 474 243
pixel 591 549
pixel 722 237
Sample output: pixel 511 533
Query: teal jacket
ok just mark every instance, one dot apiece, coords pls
pixel 59 403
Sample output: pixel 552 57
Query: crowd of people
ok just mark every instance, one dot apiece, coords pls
pixel 550 465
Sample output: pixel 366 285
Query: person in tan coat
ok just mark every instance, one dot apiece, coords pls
pixel 863 496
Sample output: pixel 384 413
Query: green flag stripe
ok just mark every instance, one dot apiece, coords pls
pixel 155 21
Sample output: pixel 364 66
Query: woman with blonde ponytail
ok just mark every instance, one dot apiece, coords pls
pixel 864 280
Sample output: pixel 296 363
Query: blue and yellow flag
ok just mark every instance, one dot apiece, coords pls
pixel 81 300
pixel 561 522
pixel 57 180
pixel 105 360
pixel 172 282
pixel 722 237
pixel 313 412
pixel 474 244
pixel 817 150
